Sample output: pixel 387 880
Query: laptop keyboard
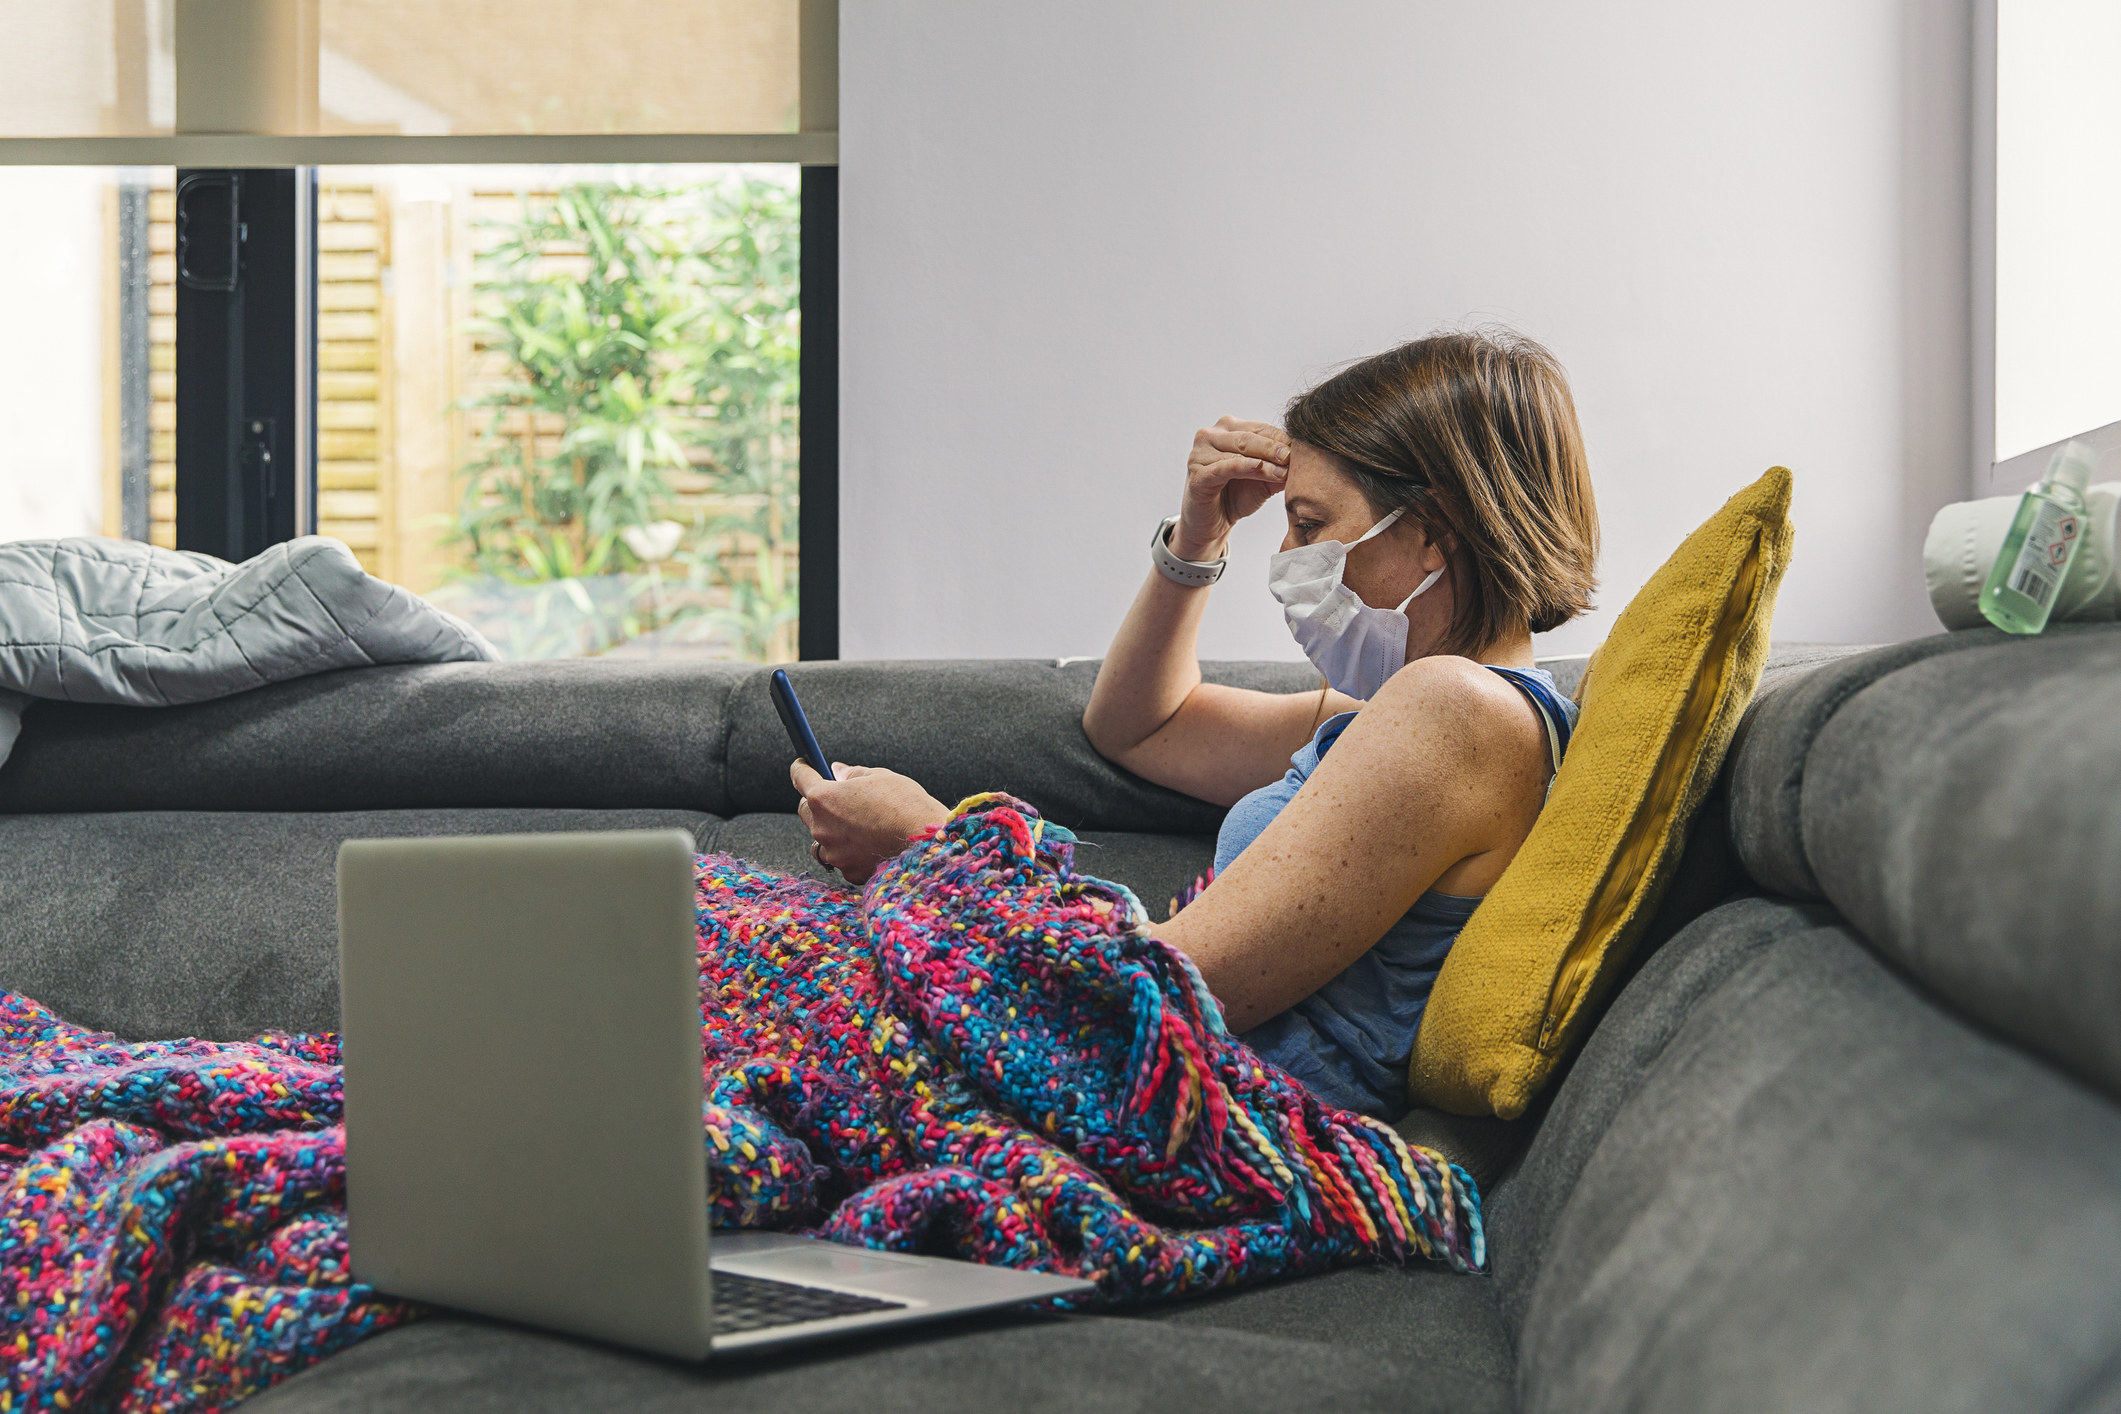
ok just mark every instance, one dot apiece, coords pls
pixel 754 1303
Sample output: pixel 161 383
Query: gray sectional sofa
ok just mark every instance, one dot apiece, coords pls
pixel 1846 1138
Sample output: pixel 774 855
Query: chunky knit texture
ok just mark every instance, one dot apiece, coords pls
pixel 172 1234
pixel 982 1055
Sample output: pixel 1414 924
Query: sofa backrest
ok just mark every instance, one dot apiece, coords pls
pixel 169 871
pixel 1826 1151
pixel 1958 799
pixel 564 734
pixel 584 735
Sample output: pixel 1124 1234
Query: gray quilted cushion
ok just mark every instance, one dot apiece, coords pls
pixel 94 619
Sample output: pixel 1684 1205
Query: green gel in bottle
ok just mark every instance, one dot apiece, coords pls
pixel 2042 542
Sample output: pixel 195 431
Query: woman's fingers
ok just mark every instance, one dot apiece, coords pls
pixel 1234 468
pixel 807 781
pixel 862 816
pixel 1212 476
pixel 1255 440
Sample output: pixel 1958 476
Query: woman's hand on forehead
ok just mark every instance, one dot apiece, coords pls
pixel 1235 466
pixel 1261 442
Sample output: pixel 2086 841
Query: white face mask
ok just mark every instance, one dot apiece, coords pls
pixel 1355 646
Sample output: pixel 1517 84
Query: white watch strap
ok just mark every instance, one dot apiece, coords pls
pixel 1195 573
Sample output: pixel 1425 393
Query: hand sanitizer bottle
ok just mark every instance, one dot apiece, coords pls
pixel 2042 541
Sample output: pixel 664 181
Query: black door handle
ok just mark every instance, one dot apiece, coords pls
pixel 259 437
pixel 209 231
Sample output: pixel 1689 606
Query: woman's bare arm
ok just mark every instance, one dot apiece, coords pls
pixel 1150 712
pixel 1435 784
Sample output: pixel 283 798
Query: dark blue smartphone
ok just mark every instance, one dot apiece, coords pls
pixel 799 734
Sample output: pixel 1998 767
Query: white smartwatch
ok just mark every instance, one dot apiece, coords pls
pixel 1197 574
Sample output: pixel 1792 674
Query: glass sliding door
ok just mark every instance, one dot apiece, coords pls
pixel 246 296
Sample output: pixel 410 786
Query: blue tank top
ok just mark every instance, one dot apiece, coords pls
pixel 1349 1040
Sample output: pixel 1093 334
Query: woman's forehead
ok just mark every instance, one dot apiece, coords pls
pixel 1316 478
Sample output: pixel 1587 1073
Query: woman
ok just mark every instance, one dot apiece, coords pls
pixel 1439 514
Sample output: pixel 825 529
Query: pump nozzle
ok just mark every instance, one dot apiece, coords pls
pixel 2072 466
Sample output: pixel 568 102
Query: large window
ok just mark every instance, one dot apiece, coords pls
pixel 83 68
pixel 509 299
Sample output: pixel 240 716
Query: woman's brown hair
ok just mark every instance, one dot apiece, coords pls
pixel 1475 436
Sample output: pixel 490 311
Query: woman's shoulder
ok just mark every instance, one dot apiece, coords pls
pixel 1452 702
pixel 1451 682
pixel 1468 743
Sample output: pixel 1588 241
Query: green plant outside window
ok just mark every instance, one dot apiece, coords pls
pixel 636 473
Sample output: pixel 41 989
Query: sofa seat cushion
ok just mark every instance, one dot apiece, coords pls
pixel 1780 1179
pixel 221 925
pixel 1420 1313
pixel 1012 1363
pixel 1155 867
pixel 1964 813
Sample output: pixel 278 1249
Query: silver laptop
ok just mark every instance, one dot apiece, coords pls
pixel 520 1017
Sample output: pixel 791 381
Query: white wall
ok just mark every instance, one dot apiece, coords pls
pixel 1073 233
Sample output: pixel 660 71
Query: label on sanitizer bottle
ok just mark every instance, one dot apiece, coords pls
pixel 2045 554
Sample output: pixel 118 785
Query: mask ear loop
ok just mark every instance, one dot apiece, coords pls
pixel 1426 584
pixel 1378 529
pixel 1422 588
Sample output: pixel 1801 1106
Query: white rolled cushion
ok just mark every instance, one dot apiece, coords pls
pixel 1966 536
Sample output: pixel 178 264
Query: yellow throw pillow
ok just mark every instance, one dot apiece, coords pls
pixel 1661 700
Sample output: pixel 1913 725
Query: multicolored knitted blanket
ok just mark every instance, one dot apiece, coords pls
pixel 984 1054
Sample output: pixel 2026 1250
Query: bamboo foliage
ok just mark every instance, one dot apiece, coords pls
pixel 649 339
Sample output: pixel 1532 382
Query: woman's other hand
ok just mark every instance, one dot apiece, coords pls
pixel 1234 467
pixel 863 818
